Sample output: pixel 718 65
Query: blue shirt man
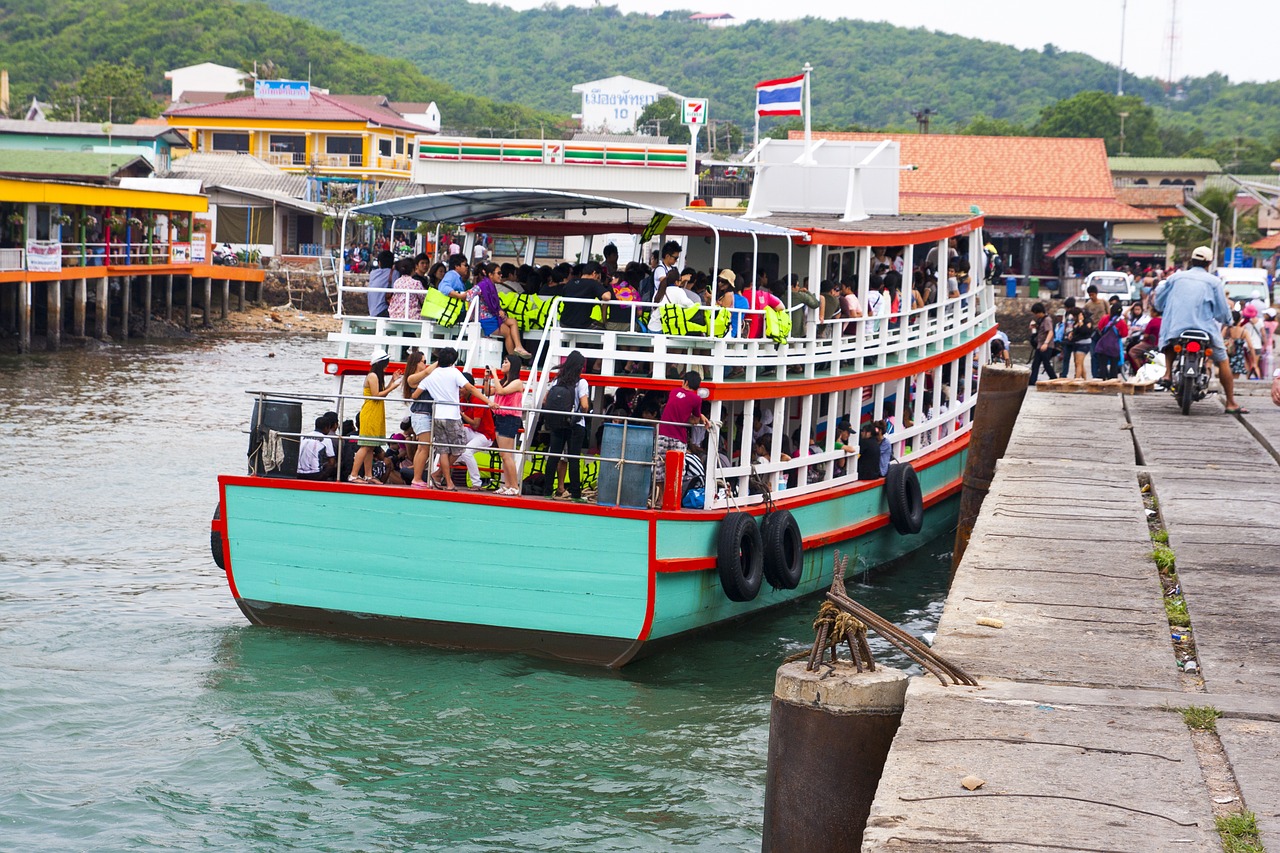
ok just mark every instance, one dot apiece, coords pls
pixel 453 281
pixel 1195 299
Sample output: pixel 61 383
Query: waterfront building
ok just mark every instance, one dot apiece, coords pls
pixel 1190 172
pixel 1035 192
pixel 155 142
pixel 206 81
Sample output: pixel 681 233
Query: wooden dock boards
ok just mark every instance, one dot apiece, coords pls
pixel 1061 556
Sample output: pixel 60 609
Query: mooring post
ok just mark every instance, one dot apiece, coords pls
pixel 240 295
pixel 25 316
pixel 226 296
pixel 79 307
pixel 1000 394
pixel 829 736
pixel 53 318
pixel 208 299
pixel 186 315
pixel 168 298
pixel 146 306
pixel 101 310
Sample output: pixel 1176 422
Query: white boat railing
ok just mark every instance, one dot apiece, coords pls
pixel 838 346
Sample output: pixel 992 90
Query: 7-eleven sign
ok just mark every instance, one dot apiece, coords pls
pixel 694 111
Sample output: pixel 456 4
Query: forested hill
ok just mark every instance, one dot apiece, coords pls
pixel 871 74
pixel 44 43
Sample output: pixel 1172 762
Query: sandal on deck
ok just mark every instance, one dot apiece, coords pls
pixel 1238 410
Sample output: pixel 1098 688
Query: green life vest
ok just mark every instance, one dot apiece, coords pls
pixel 441 309
pixel 524 307
pixel 777 325
pixel 722 322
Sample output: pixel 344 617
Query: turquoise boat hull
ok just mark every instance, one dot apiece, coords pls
pixel 584 583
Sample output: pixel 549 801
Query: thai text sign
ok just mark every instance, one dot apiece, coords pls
pixel 44 256
pixel 282 90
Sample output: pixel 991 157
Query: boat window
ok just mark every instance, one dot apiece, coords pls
pixel 768 262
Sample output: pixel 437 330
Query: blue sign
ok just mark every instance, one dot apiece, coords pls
pixel 282 90
pixel 1233 257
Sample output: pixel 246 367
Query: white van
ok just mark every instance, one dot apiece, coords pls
pixel 1241 283
pixel 1112 283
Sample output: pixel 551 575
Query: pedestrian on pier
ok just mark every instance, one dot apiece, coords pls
pixel 1042 351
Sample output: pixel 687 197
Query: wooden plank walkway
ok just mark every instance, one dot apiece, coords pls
pixel 1071 727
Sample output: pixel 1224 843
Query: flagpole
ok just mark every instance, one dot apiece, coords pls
pixel 808 125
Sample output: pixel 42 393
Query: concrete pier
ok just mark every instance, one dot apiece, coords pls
pixel 1071 730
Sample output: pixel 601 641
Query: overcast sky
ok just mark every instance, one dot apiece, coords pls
pixel 1211 36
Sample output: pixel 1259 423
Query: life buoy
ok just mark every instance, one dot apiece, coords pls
pixel 215 540
pixel 739 557
pixel 906 503
pixel 783 549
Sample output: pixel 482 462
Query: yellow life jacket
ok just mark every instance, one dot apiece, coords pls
pixel 721 323
pixel 443 310
pixel 682 319
pixel 524 307
pixel 777 325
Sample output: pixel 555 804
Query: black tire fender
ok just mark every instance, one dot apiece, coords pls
pixel 739 556
pixel 215 540
pixel 783 549
pixel 906 503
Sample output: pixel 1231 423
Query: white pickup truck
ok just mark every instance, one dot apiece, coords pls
pixel 1245 283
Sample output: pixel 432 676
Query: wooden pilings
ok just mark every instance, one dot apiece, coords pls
pixel 45 309
pixel 53 321
pixel 79 302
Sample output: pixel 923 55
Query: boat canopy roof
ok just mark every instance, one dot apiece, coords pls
pixel 471 206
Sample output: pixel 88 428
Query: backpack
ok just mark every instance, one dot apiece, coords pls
pixel 1108 344
pixel 559 404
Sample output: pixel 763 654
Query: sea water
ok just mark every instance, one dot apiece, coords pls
pixel 139 710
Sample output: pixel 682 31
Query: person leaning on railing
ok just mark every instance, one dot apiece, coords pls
pixel 379 280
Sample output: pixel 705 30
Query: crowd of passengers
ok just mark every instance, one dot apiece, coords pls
pixel 889 293
pixel 454 414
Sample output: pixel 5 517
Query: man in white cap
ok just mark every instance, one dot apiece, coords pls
pixel 1194 299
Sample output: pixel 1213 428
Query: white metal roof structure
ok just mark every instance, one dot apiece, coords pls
pixel 465 206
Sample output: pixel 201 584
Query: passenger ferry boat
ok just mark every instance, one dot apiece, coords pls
pixel 605 583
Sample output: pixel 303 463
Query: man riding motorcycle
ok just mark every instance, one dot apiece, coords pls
pixel 1194 299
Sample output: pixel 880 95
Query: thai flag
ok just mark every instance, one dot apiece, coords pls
pixel 780 97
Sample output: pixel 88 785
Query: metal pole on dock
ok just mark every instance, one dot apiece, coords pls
pixel 186 316
pixel 829 736
pixel 53 320
pixel 1000 394
pixel 168 298
pixel 226 296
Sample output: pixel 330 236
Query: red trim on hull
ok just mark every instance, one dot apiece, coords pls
pixel 221 526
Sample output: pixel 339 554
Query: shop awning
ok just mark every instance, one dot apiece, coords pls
pixel 1079 245
pixel 58 192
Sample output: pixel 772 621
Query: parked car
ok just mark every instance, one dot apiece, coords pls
pixel 1113 283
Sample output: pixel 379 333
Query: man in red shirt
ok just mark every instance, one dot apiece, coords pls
pixel 684 406
pixel 478 426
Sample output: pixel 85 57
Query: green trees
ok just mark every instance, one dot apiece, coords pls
pixel 1101 114
pixel 662 118
pixel 106 93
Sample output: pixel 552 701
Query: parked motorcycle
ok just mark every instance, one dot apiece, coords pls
pixel 224 256
pixel 1191 368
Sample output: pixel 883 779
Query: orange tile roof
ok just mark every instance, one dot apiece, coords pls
pixel 1017 177
pixel 1270 242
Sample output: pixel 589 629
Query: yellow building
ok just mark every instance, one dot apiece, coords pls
pixel 306 132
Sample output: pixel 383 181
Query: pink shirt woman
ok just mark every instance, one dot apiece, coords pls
pixel 758 300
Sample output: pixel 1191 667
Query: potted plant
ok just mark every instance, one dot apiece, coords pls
pixel 16 219
pixel 89 221
pixel 62 220
pixel 115 222
pixel 135 222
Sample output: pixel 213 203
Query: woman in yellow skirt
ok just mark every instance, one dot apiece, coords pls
pixel 373 417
